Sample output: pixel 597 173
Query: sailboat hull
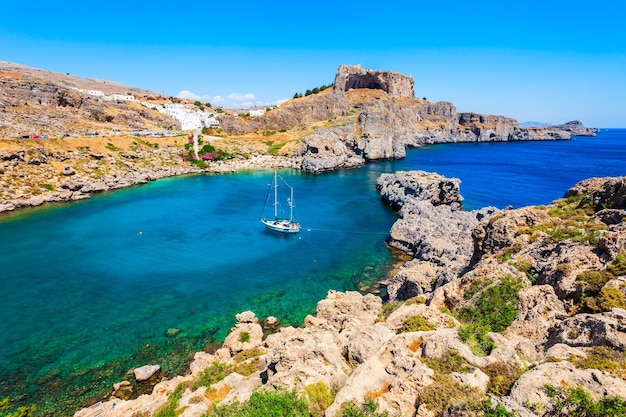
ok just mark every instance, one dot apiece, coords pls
pixel 282 225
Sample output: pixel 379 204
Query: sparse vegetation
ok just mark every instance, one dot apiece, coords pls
pixel 173 399
pixel 389 308
pixel 602 358
pixel 320 398
pixel 450 361
pixel 445 393
pixel 502 375
pixel 279 403
pixel 417 323
pixel 491 309
pixel 244 337
pixel 575 401
pixel 368 409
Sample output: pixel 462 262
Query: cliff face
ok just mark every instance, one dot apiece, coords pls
pixel 388 118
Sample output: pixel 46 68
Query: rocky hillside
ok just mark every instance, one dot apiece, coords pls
pixel 524 316
pixel 35 102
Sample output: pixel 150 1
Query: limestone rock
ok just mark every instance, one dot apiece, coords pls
pixel 246 334
pixel 601 192
pixel 585 330
pixel 353 77
pixel 409 186
pixel 529 388
pixel 539 311
pixel 349 309
pixel 146 372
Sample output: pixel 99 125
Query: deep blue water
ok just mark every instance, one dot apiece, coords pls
pixel 93 282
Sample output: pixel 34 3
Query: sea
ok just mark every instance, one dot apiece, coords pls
pixel 153 273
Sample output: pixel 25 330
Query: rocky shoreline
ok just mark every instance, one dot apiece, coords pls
pixel 512 311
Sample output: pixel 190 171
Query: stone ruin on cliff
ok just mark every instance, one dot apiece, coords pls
pixel 350 77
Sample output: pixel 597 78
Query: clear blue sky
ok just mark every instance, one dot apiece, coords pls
pixel 531 60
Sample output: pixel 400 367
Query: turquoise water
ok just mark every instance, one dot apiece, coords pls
pixel 93 282
pixel 89 288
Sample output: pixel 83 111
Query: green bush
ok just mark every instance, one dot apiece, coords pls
pixel 618 266
pixel 591 282
pixel 611 297
pixel 368 409
pixel 417 323
pixel 173 398
pixel 244 337
pixel 603 358
pixel 577 402
pixel 475 335
pixel 446 393
pixel 319 398
pixel 496 307
pixel 502 375
pixel 450 361
pixel 211 375
pixel 279 403
pixel 389 308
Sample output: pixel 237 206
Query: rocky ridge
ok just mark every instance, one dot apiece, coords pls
pixel 545 284
pixel 374 115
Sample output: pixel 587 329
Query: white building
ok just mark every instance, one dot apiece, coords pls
pixel 96 93
pixel 122 97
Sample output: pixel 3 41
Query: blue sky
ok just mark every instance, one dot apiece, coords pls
pixel 532 60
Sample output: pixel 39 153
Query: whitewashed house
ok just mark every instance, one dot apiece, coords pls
pixel 122 97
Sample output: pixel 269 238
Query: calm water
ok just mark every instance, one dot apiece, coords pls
pixel 90 288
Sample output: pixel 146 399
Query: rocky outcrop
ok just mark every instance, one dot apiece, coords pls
pixel 432 228
pixel 350 77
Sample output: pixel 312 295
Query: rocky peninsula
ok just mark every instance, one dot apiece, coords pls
pixel 499 312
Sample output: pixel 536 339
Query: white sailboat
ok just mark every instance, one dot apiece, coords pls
pixel 278 224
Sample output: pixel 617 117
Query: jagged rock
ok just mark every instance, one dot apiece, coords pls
pixel 559 264
pixel 353 77
pixel 409 186
pixel 412 279
pixel 245 335
pixel 246 317
pixel 609 192
pixel 502 230
pixel 562 352
pixel 271 323
pixel 529 388
pixel 123 390
pixel 433 315
pixel 299 357
pixel 349 310
pixel 365 341
pixel 329 149
pixel 146 372
pixel 539 311
pixel 584 330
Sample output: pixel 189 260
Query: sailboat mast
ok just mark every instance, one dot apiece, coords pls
pixel 275 195
pixel 291 206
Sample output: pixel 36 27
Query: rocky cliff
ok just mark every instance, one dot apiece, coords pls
pixel 529 321
pixel 374 115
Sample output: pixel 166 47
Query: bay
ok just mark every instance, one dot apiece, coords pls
pixel 89 289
